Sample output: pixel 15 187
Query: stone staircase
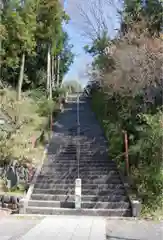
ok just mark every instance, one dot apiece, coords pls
pixel 103 193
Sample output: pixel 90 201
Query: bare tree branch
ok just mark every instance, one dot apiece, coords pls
pixel 95 18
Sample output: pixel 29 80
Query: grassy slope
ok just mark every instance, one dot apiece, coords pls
pixel 34 120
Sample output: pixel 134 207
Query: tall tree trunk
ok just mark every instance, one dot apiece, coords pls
pixel 48 73
pixel 58 70
pixel 50 83
pixel 21 76
pixel 53 71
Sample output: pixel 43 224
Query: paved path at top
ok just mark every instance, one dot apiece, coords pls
pixel 77 228
pixel 53 227
pixel 68 228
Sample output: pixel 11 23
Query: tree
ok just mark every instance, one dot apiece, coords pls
pixel 95 18
pixel 146 15
pixel 28 14
pixel 32 42
pixel 72 86
pixel 98 50
pixel 2 32
pixel 19 20
pixel 154 14
pixel 66 57
pixel 49 20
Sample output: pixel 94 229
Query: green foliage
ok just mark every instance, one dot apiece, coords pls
pixel 119 107
pixel 66 56
pixel 46 106
pixel 111 128
pixel 36 94
pixel 150 12
pixel 32 113
pixel 20 24
pixel 145 146
pixel 30 27
pixel 129 97
pixel 98 50
pixel 149 152
pixel 154 15
pixel 99 45
pixel 58 92
pixel 53 13
pixel 72 86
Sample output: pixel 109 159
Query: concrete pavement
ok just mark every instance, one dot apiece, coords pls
pixel 78 228
pixel 70 228
pixel 133 230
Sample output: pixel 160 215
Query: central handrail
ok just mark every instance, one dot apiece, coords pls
pixel 78 136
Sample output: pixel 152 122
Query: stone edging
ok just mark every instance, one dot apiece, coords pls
pixel 135 203
pixel 107 218
pixel 24 201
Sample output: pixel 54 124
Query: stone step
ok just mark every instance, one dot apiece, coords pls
pixel 84 186
pixel 88 146
pixel 63 169
pixel 92 163
pixel 73 174
pixel 85 198
pixel 71 191
pixel 72 147
pixel 65 164
pixel 82 168
pixel 88 167
pixel 85 176
pixel 82 165
pixel 66 152
pixel 51 179
pixel 93 153
pixel 83 159
pixel 81 212
pixel 67 204
pixel 83 173
pixel 85 169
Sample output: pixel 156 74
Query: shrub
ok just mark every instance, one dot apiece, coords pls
pixel 29 119
pixel 130 99
pixel 45 107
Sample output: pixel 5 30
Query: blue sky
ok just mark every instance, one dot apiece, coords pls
pixel 81 58
pixel 78 68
